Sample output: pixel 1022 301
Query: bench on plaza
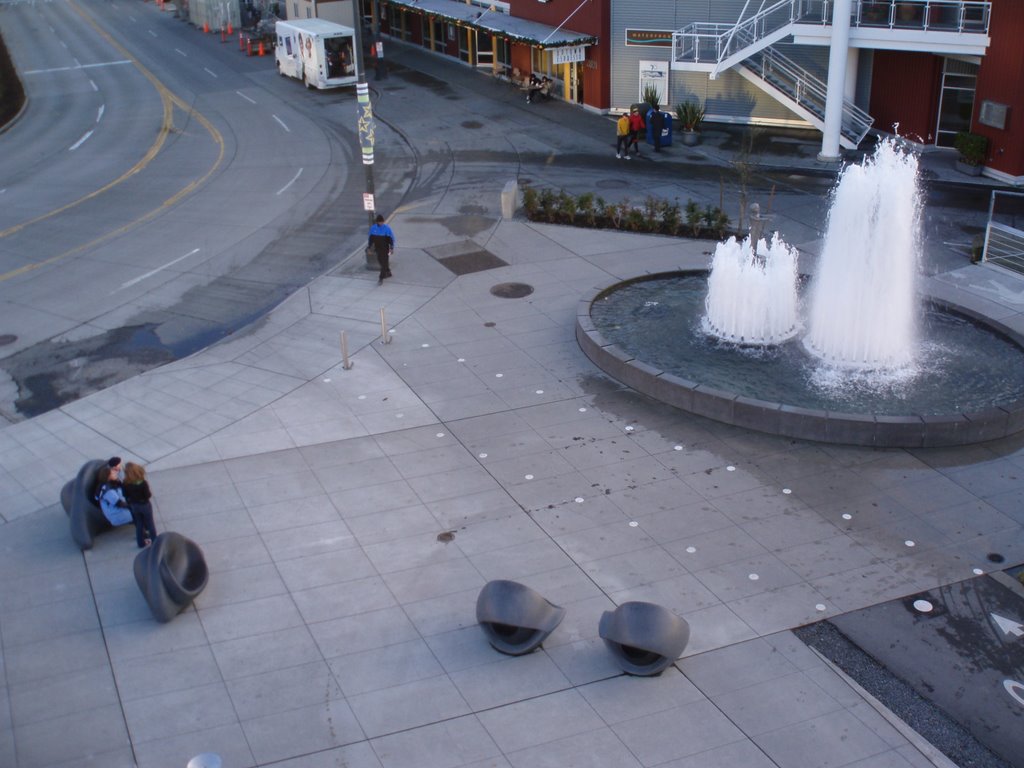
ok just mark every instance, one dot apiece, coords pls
pixel 84 514
pixel 171 573
pixel 515 618
pixel 644 638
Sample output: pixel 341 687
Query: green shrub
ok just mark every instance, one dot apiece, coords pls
pixel 671 218
pixel 531 201
pixel 566 208
pixel 972 147
pixel 549 205
pixel 690 115
pixel 694 218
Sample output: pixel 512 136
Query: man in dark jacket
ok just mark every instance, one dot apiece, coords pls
pixel 382 240
pixel 657 120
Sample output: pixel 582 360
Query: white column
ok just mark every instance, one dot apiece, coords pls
pixel 837 62
pixel 850 90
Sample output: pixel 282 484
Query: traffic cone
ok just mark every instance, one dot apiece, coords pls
pixel 206 28
pixel 241 42
pixel 261 47
pixel 229 28
pixel 223 35
pixel 248 46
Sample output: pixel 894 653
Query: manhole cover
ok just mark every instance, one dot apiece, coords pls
pixel 446 536
pixel 7 338
pixel 489 324
pixel 511 290
pixel 995 557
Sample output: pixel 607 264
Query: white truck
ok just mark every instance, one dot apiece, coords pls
pixel 321 54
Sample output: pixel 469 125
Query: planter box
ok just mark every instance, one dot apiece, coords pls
pixel 690 138
pixel 970 170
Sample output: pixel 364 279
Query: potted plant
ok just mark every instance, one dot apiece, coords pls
pixel 972 148
pixel 690 115
pixel 651 96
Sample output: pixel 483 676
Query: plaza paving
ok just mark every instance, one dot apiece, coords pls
pixel 338 629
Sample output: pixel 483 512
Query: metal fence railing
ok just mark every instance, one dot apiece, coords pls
pixel 1004 234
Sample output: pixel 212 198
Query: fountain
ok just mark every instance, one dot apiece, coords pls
pixel 879 364
pixel 752 297
pixel 864 306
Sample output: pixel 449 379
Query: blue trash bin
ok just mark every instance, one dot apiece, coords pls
pixel 666 132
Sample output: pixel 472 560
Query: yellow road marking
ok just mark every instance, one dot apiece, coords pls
pixel 169 101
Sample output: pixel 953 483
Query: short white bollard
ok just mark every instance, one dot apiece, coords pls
pixel 346 364
pixel 509 199
pixel 385 337
pixel 205 760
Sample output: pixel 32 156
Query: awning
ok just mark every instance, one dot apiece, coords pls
pixel 497 23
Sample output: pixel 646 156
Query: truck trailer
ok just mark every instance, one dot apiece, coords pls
pixel 321 54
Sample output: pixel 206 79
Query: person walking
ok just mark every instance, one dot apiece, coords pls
pixel 382 240
pixel 636 124
pixel 657 119
pixel 137 494
pixel 622 136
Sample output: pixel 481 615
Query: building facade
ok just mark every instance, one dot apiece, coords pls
pixel 925 69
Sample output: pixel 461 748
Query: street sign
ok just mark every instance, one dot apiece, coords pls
pixel 368 201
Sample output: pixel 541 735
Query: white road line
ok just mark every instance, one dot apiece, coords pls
pixel 178 50
pixel 151 32
pixel 99 112
pixel 251 101
pixel 212 73
pixel 63 43
pixel 294 179
pixel 80 142
pixel 152 272
pixel 94 86
pixel 80 66
pixel 279 120
pixel 131 18
pixel 77 62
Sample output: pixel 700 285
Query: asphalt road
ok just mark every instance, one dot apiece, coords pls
pixel 160 191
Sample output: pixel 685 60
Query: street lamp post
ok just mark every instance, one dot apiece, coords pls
pixel 367 128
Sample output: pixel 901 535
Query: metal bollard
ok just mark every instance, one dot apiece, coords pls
pixel 346 364
pixel 385 337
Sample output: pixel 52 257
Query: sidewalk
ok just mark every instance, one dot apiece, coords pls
pixel 338 627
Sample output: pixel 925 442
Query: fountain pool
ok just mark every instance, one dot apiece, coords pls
pixel 968 385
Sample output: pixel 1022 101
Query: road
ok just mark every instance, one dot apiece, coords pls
pixel 159 192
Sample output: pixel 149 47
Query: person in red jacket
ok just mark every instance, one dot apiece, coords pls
pixel 636 124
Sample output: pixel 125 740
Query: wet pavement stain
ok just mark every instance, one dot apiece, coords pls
pixel 52 373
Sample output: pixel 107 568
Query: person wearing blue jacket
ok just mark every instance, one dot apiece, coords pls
pixel 382 240
pixel 111 499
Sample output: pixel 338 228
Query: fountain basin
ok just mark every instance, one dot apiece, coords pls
pixel 903 419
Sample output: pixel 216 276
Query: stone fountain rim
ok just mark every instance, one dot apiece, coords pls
pixel 840 428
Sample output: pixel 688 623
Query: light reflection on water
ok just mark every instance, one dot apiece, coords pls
pixel 961 366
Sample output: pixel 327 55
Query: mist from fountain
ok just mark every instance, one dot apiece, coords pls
pixel 863 305
pixel 752 293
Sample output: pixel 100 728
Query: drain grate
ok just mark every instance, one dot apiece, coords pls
pixel 467 263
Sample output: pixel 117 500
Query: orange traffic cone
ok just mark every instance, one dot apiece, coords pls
pixel 206 28
pixel 261 47
pixel 241 42
pixel 248 46
pixel 229 27
pixel 223 35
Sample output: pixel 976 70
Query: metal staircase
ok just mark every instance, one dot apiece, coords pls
pixel 803 93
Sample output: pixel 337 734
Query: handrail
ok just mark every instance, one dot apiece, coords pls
pixel 809 91
pixel 706 42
